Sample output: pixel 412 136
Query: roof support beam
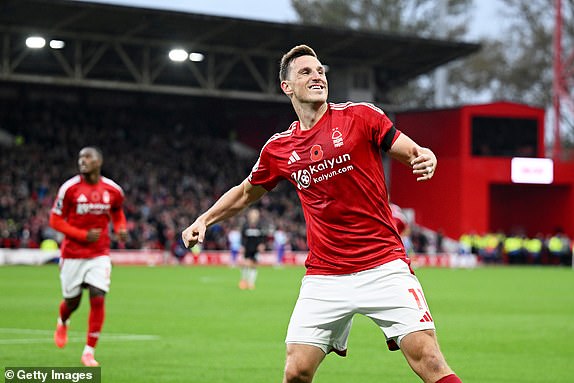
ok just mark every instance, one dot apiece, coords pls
pixel 143 67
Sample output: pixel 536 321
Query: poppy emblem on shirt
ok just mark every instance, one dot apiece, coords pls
pixel 106 197
pixel 316 153
pixel 95 196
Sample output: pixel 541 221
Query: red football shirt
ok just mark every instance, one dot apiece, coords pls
pixel 338 172
pixel 87 206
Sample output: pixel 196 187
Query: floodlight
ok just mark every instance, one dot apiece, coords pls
pixel 35 42
pixel 196 57
pixel 178 55
pixel 57 44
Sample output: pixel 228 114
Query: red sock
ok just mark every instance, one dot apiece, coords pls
pixel 65 312
pixel 96 320
pixel 452 378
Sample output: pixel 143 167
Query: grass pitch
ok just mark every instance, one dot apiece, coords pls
pixel 192 324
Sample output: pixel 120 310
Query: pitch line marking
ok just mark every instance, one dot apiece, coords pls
pixel 76 337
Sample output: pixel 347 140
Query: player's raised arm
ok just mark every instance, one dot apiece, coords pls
pixel 232 202
pixel 422 160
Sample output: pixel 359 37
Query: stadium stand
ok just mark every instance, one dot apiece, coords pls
pixel 162 159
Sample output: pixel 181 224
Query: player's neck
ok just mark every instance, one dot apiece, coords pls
pixel 309 114
pixel 91 178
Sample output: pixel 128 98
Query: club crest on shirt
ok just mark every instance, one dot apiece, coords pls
pixel 337 138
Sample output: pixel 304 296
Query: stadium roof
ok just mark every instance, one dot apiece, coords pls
pixel 118 47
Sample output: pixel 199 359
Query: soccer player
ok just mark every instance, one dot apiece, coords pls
pixel 356 261
pixel 84 206
pixel 253 239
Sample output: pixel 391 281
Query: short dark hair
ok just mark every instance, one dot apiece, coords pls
pixel 95 149
pixel 287 59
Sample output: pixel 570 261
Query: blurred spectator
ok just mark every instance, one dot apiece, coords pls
pixel 420 241
pixel 439 241
pixel 559 248
pixel 234 243
pixel 533 247
pixel 514 249
pixel 178 250
pixel 280 243
pixel 489 250
pixel 465 244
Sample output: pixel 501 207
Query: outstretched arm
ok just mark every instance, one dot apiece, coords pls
pixel 421 160
pixel 232 202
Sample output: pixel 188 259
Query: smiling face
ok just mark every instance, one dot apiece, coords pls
pixel 306 81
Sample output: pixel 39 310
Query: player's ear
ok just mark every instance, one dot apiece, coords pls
pixel 286 88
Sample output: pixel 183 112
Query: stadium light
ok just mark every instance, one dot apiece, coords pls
pixel 57 44
pixel 196 57
pixel 178 55
pixel 35 42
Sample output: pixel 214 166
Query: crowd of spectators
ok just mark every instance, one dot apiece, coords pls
pixel 171 165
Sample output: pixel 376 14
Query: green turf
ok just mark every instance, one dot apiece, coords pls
pixel 494 324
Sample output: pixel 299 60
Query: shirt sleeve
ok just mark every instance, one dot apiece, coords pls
pixel 263 172
pixel 60 208
pixel 58 223
pixel 118 219
pixel 382 129
pixel 117 212
pixel 59 214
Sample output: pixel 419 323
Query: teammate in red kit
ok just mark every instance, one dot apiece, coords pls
pixel 82 211
pixel 400 219
pixel 356 262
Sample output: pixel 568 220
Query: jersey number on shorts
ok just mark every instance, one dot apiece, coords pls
pixel 416 294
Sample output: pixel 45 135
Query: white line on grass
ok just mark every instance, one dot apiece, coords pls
pixel 75 337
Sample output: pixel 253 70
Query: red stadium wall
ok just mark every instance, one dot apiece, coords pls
pixel 475 193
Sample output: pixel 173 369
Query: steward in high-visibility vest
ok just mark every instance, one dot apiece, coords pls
pixel 533 247
pixel 490 248
pixel 48 245
pixel 476 243
pixel 559 249
pixel 513 249
pixel 555 244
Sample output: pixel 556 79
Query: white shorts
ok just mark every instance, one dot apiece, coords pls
pixel 74 272
pixel 389 294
